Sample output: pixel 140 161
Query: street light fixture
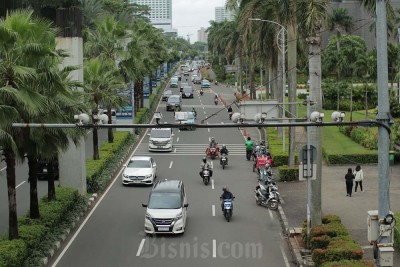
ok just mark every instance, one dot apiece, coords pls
pixel 281 43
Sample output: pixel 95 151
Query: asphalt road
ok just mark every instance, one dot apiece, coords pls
pixel 23 186
pixel 112 234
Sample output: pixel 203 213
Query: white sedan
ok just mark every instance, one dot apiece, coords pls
pixel 139 170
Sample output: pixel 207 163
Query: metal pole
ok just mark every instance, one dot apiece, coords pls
pixel 283 87
pixel 383 114
pixel 308 175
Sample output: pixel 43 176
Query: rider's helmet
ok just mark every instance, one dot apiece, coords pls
pixel 225 189
pixel 248 138
pixel 223 146
pixel 212 139
pixel 204 159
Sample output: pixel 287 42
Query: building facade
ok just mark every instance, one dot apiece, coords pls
pixel 202 35
pixel 221 14
pixel 160 13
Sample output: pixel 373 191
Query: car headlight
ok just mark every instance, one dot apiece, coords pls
pixel 178 217
pixel 148 176
pixel 125 175
pixel 148 217
pixel 150 141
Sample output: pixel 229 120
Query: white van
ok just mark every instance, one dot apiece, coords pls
pixel 161 139
pixel 166 208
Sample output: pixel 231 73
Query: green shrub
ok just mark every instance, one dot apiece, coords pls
pixel 397 232
pixel 320 242
pixel 302 96
pixel 349 263
pixel 12 253
pixel 333 159
pixel 333 229
pixel 287 173
pixel 32 234
pixel 331 218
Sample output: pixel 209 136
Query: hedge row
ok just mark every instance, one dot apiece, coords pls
pixel 287 174
pixel 332 159
pixel 33 232
pixel 361 135
pixel 397 231
pixel 330 243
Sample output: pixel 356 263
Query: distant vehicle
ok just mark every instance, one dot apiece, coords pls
pixel 166 94
pixel 174 102
pixel 186 73
pixel 197 80
pixel 44 167
pixel 166 208
pixel 186 118
pixel 194 76
pixel 183 85
pixel 139 170
pixel 205 84
pixel 161 139
pixel 174 82
pixel 187 92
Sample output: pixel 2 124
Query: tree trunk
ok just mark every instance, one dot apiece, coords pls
pixel 136 98
pixel 274 82
pixel 150 85
pixel 279 90
pixel 267 81
pixel 51 189
pixel 12 202
pixel 32 179
pixel 314 58
pixel 292 79
pixel 252 79
pixel 95 144
pixel 351 100
pixel 141 93
pixel 110 130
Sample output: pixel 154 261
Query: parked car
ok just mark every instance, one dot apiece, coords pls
pixel 166 94
pixel 205 84
pixel 166 208
pixel 174 102
pixel 139 170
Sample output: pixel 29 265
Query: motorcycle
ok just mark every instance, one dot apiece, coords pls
pixel 201 92
pixel 230 115
pixel 216 83
pixel 267 196
pixel 228 208
pixel 212 152
pixel 224 160
pixel 206 176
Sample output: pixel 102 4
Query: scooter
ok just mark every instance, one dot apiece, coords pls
pixel 224 160
pixel 201 92
pixel 212 152
pixel 216 101
pixel 267 196
pixel 228 209
pixel 206 176
pixel 230 115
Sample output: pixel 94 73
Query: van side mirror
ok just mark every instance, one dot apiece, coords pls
pixel 148 134
pixel 124 165
pixel 144 205
pixel 186 205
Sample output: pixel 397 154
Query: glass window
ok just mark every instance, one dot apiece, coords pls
pixel 139 164
pixel 160 133
pixel 165 201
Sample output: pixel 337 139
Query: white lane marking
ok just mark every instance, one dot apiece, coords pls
pixel 209 139
pixel 179 131
pixel 213 210
pixel 177 139
pixel 88 132
pixel 175 150
pixel 140 247
pixel 204 111
pixel 170 165
pixel 20 184
pixel 284 257
pixel 222 122
pixel 214 248
pixel 212 183
pixel 212 164
pixel 99 201
pixel 3 169
pixel 208 129
pixel 271 215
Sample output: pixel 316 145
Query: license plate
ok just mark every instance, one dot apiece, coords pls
pixel 163 229
pixel 136 181
pixel 159 147
pixel 223 159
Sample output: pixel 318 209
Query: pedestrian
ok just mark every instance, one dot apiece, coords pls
pixel 349 177
pixel 358 177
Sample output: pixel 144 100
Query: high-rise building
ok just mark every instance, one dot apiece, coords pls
pixel 221 14
pixel 202 35
pixel 160 13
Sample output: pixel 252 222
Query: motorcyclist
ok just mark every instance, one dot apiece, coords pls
pixel 225 195
pixel 213 143
pixel 225 151
pixel 261 164
pixel 216 99
pixel 205 165
pixel 230 111
pixel 249 147
pixel 194 112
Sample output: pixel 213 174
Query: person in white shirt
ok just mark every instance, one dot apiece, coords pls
pixel 359 177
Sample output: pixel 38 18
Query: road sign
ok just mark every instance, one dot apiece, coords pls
pixel 303 170
pixel 303 154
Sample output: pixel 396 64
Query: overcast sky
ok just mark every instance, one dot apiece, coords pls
pixel 188 16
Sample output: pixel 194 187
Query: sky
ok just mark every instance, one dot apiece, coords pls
pixel 188 16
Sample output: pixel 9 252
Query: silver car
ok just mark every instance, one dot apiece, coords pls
pixel 139 170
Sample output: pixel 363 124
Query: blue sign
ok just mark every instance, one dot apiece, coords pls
pixel 154 83
pixel 125 112
pixel 165 67
pixel 146 87
pixel 158 74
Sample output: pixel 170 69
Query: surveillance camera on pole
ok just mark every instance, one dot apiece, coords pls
pixel 82 119
pixel 260 117
pixel 235 117
pixel 102 119
pixel 338 116
pixel 316 116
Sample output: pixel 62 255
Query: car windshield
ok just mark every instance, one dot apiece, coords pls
pixel 168 93
pixel 139 164
pixel 173 99
pixel 187 89
pixel 190 115
pixel 161 133
pixel 184 84
pixel 165 200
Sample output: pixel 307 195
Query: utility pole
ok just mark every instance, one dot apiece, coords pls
pixel 383 134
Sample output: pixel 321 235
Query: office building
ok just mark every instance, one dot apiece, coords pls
pixel 160 14
pixel 202 35
pixel 221 14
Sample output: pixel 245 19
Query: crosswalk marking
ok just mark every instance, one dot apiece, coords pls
pixel 192 150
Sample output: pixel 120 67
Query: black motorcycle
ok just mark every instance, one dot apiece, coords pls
pixel 223 160
pixel 267 196
pixel 206 176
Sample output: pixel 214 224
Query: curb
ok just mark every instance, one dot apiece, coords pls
pixel 292 244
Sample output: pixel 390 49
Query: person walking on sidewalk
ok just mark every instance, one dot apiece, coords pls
pixel 358 178
pixel 349 177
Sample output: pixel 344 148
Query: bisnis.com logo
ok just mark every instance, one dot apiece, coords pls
pixel 161 248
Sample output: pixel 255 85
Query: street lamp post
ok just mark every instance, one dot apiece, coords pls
pixel 281 42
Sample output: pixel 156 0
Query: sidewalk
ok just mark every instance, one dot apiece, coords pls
pixel 352 210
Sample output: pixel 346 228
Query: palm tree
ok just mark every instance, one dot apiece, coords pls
pixel 24 43
pixel 340 22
